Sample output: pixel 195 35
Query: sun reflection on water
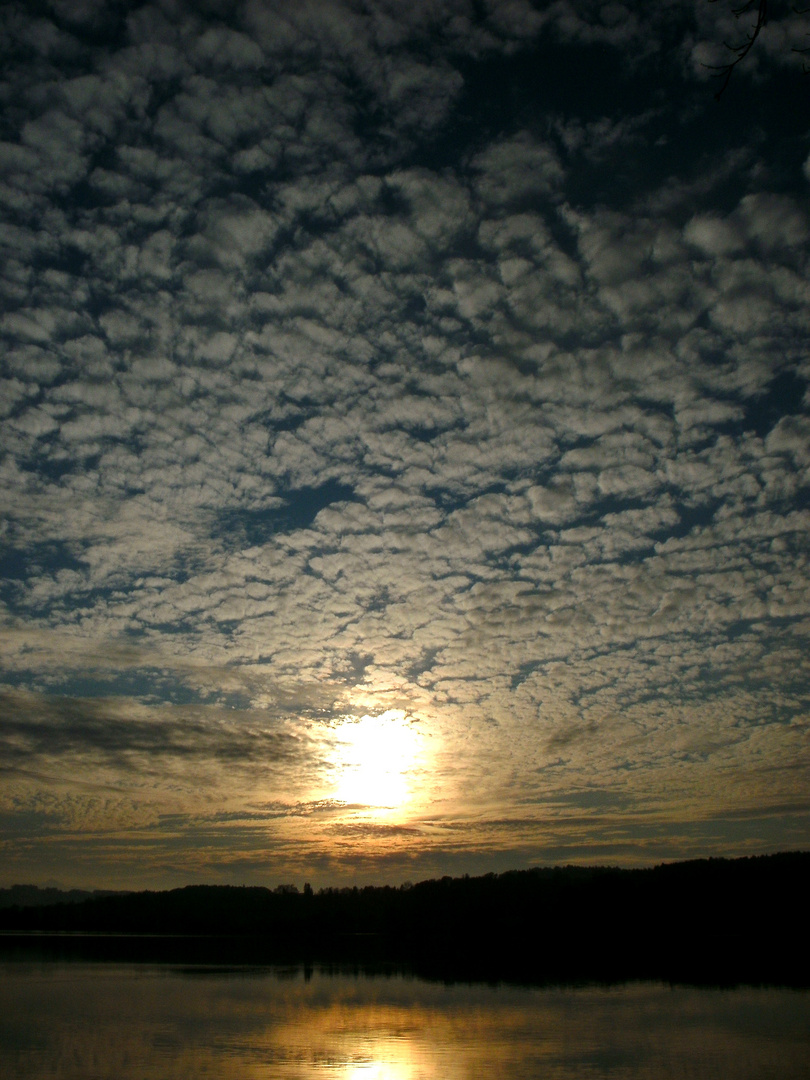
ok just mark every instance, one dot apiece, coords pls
pixel 132 1021
pixel 372 1070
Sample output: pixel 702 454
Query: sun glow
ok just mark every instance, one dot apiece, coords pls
pixel 375 759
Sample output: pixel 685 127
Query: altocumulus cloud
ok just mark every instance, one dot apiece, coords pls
pixel 446 362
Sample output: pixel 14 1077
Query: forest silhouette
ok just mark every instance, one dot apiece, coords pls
pixel 709 920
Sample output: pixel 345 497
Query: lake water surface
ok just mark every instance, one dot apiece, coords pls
pixel 90 1021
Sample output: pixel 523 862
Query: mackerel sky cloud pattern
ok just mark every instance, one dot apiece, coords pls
pixel 445 363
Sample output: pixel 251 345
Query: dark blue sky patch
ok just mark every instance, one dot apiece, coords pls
pixel 51 462
pixel 504 94
pixel 510 556
pixel 583 698
pixel 423 665
pixel 691 518
pixel 15 565
pixel 379 601
pixel 784 396
pixel 353 667
pixel 141 684
pixel 251 528
pixel 524 671
pixel 48 557
pixel 19 679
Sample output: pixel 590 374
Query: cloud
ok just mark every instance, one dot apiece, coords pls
pixel 55 727
pixel 330 387
pixel 516 169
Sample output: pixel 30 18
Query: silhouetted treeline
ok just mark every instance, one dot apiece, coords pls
pixel 714 920
pixel 34 896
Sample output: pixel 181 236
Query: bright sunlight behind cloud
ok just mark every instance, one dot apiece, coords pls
pixel 376 759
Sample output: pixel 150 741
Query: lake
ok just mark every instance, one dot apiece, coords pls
pixel 93 1021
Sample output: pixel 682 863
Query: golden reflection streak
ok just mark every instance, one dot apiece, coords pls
pixel 384 1068
pixel 355 1042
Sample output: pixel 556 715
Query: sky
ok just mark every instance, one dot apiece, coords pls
pixel 405 438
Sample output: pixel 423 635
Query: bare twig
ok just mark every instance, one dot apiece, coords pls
pixel 724 71
pixel 802 11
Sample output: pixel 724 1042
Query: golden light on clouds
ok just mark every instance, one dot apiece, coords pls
pixel 375 760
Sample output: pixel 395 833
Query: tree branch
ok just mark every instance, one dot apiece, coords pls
pixel 724 71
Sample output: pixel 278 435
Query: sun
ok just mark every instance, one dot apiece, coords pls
pixel 375 758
